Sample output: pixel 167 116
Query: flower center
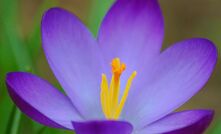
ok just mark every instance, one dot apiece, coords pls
pixel 109 94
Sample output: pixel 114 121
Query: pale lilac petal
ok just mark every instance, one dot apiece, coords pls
pixel 74 57
pixel 41 101
pixel 103 127
pixel 130 30
pixel 185 122
pixel 174 77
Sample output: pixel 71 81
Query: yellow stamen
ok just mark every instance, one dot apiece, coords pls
pixel 104 95
pixel 124 97
pixel 110 95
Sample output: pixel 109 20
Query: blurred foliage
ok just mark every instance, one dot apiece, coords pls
pixel 217 128
pixel 98 10
pixel 13 55
pixel 21 52
pixel 34 38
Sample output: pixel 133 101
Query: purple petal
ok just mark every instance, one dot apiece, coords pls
pixel 41 101
pixel 185 122
pixel 74 58
pixel 103 127
pixel 130 28
pixel 176 75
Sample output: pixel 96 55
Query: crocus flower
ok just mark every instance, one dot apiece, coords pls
pixel 121 82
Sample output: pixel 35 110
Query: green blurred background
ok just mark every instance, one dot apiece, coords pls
pixel 20 48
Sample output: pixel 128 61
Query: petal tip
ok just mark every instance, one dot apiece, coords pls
pixel 106 126
pixel 11 75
